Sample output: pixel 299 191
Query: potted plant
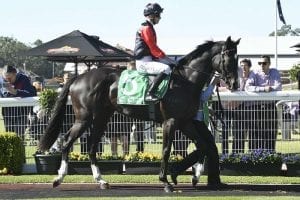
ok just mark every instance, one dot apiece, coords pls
pixel 292 164
pixel 145 163
pixel 47 162
pixel 80 163
pixel 258 162
pixel 133 163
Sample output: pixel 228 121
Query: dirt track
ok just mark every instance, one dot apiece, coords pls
pixel 38 191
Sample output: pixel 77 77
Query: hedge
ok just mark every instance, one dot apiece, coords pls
pixel 12 152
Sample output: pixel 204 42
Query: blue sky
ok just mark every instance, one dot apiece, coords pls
pixel 116 21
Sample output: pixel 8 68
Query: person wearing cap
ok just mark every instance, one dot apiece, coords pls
pixel 149 57
pixel 264 134
pixel 16 85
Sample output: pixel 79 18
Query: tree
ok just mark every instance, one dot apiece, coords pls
pixel 9 49
pixel 293 72
pixel 286 30
pixel 9 54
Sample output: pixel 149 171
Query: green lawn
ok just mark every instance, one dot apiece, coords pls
pixel 197 198
pixel 147 179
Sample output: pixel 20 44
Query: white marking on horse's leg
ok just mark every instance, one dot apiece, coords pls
pixel 97 174
pixel 62 172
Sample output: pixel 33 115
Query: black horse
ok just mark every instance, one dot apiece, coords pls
pixel 94 95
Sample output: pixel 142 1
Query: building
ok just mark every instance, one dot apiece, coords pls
pixel 249 47
pixel 253 48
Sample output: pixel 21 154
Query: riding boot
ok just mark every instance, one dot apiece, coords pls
pixel 156 82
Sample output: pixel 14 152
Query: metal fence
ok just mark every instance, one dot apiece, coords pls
pixel 251 121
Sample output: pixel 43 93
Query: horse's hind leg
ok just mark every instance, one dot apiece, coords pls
pixel 75 132
pixel 97 131
pixel 169 128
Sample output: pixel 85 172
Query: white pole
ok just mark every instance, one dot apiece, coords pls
pixel 276 45
pixel 53 71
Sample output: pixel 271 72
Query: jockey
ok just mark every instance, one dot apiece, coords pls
pixel 150 58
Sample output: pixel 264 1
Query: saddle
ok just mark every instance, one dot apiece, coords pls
pixel 133 87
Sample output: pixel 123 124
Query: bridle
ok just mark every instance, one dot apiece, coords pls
pixel 224 52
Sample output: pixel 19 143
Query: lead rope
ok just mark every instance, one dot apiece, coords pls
pixel 220 115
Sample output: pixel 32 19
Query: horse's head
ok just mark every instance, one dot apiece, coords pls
pixel 226 62
pixel 212 56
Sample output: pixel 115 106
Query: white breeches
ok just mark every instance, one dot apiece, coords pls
pixel 147 65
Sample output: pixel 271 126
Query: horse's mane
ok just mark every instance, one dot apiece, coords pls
pixel 200 49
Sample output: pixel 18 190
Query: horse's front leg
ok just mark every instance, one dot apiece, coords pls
pixel 168 136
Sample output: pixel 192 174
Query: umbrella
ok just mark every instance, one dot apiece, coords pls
pixel 296 45
pixel 79 47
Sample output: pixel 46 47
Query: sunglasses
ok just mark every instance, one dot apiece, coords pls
pixel 262 63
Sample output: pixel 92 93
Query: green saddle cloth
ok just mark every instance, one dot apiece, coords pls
pixel 133 87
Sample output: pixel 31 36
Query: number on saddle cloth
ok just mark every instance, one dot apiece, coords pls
pixel 133 86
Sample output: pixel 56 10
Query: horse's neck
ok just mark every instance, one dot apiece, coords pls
pixel 197 78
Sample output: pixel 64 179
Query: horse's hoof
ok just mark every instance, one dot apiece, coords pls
pixel 169 188
pixel 104 186
pixel 194 181
pixel 56 183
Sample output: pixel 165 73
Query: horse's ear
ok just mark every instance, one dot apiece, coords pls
pixel 228 39
pixel 238 41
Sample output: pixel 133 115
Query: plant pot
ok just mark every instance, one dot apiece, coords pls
pixel 105 166
pixel 242 169
pixel 47 164
pixel 142 167
pixel 293 169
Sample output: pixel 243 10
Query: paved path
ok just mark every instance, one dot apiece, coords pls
pixel 38 191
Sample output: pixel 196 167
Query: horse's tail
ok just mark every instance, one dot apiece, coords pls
pixel 52 131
